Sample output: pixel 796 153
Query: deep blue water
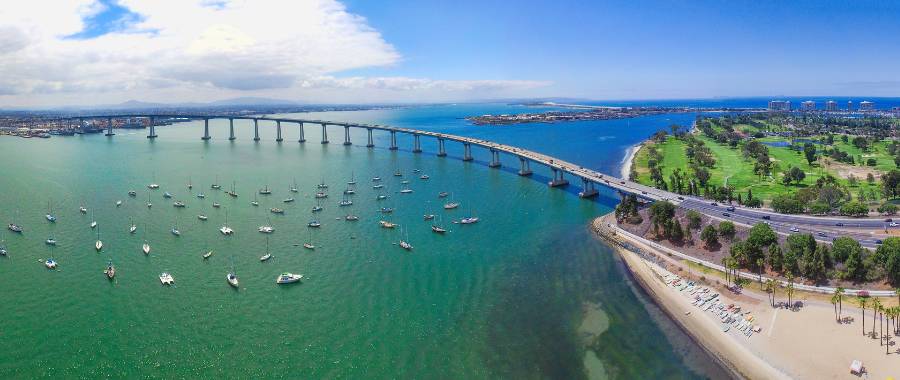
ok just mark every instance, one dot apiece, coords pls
pixel 753 102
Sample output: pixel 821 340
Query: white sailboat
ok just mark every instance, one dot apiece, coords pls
pixel 50 217
pixel 308 244
pixel 268 254
pixel 215 185
pixel 232 277
pixel 166 279
pixel 99 244
pixel 405 243
pixel 175 231
pixel 133 227
pixel 146 247
pixel 225 230
pixel 93 221
pixel 149 204
pixel 288 278
pixel 267 228
pixel 255 201
pixel 294 186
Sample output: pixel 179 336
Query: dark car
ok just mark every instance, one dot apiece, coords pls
pixel 726 214
pixel 644 192
pixel 714 204
pixel 730 208
pixel 766 217
pixel 839 224
pixel 878 241
pixel 681 198
pixel 889 220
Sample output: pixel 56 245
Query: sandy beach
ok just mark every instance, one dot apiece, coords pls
pixel 625 170
pixel 803 344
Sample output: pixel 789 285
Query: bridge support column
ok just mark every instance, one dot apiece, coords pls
pixel 324 134
pixel 441 151
pixel 205 130
pixel 109 126
pixel 467 152
pixel 393 140
pixel 347 135
pixel 417 146
pixel 495 159
pixel 558 179
pixel 278 131
pixel 302 137
pixel 524 167
pixel 587 189
pixel 371 143
pixel 255 129
pixel 231 129
pixel 152 134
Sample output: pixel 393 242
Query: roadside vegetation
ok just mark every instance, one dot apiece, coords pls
pixel 792 164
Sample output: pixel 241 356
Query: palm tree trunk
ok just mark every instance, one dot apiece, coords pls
pixel 864 320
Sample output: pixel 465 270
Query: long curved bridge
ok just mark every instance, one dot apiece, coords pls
pixel 589 178
pixel 824 229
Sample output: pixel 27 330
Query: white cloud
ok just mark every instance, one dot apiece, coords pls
pixel 182 50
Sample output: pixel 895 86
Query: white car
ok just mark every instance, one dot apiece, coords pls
pixel 795 229
pixel 893 224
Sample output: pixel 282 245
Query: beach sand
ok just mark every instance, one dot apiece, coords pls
pixel 804 344
pixel 625 170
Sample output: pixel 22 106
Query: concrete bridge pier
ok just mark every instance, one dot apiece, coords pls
pixel 495 159
pixel 278 131
pixel 371 143
pixel 205 130
pixel 417 147
pixel 441 151
pixel 152 134
pixel 109 126
pixel 558 179
pixel 302 138
pixel 467 152
pixel 231 129
pixel 587 189
pixel 347 135
pixel 324 134
pixel 524 167
pixel 393 140
pixel 255 129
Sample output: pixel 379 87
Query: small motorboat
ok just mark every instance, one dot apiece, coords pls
pixel 386 210
pixel 82 210
pixel 132 229
pixel 321 195
pixel 469 220
pixel 167 195
pixel 406 191
pixel 50 264
pixel 201 195
pixel 404 182
pixel 276 210
pixel 266 229
pixel 202 217
pixel 146 248
pixel 309 246
pixel 50 241
pixel 288 278
pixel 51 218
pixel 316 208
pixel 378 186
pixel 216 205
pixel 207 255
pixel 424 176
pixel 178 204
pixel 110 271
pixel 132 193
pixel 428 216
pixel 351 217
pixel 443 194
pixel 380 197
pixel 386 224
pixel 232 279
pixel 438 229
pixel 14 228
pixel 166 279
pixel 288 200
pixel 175 231
pixel 314 224
pixel 118 203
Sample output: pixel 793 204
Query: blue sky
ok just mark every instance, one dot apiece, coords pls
pixel 364 51
pixel 650 49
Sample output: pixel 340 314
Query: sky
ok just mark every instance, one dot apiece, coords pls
pixel 92 52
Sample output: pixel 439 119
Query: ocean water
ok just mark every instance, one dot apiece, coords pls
pixel 525 293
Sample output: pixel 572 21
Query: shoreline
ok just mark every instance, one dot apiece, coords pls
pixel 628 160
pixel 806 342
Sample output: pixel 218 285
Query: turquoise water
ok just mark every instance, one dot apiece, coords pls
pixel 502 298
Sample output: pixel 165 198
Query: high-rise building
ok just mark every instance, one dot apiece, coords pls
pixel 808 105
pixel 849 106
pixel 831 106
pixel 866 105
pixel 779 105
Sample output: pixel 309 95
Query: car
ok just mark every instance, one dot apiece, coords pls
pixel 730 208
pixel 766 217
pixel 878 241
pixel 726 214
pixel 622 183
pixel 821 234
pixel 889 220
pixel 644 192
pixel 714 204
pixel 795 229
pixel 893 224
pixel 681 198
pixel 839 224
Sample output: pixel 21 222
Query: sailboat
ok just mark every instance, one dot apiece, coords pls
pixel 317 207
pixel 438 228
pixel 387 224
pixel 288 199
pixel 345 202
pixel 50 263
pixel 265 190
pixel 149 204
pixel 288 278
pixel 215 185
pixel 82 209
pixel 308 244
pixel 49 216
pixel 451 205
pixel 294 186
pixel 3 251
pixel 255 201
pixel 167 195
pixel 225 230
pixel 146 246
pixel 153 185
pixel 166 279
pixel 202 217
pixel 352 179
pixel 207 255
pixel 231 277
pixel 404 243
pixel 314 224
pixel 349 190
pixel 99 243
pixel 267 228
pixel 351 218
pixel 322 185
pixel 376 179
pixel 268 255
pixel 469 220
pixel 201 195
pixel 424 177
pixel 406 190
pixel 110 270
pixel 398 173
pixel 13 226
pixel 232 193
pixel 174 229
pixel 93 221
pixel 276 210
pixel 190 185
pixel 50 240
pixel 133 227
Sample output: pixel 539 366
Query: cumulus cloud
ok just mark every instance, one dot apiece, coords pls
pixel 201 47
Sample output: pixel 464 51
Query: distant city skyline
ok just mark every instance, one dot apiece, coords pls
pixel 93 52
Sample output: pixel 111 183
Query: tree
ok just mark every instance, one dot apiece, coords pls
pixel 775 257
pixel 770 289
pixel 839 291
pixel 726 229
pixel 876 307
pixel 809 150
pixel 842 247
pixel 693 219
pixel 854 209
pixel 660 212
pixel 855 267
pixel 863 301
pixel 676 234
pixel 887 208
pixel 710 236
pixel 761 236
pixel 871 178
pixel 787 204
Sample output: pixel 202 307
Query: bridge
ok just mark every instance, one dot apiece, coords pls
pixel 559 168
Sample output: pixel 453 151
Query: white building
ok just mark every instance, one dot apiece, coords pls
pixel 808 105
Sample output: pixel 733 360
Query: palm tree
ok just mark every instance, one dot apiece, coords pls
pixel 727 269
pixel 862 301
pixel 840 298
pixel 770 290
pixel 834 302
pixel 876 307
pixel 790 287
pixel 761 265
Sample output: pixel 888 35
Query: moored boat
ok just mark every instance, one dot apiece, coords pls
pixel 288 278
